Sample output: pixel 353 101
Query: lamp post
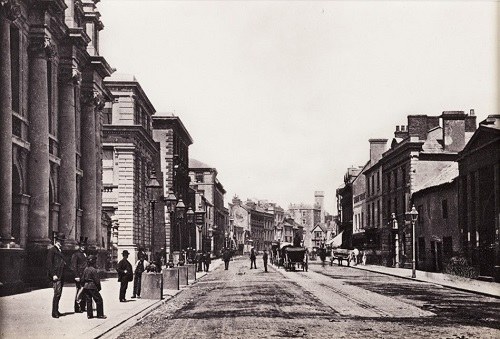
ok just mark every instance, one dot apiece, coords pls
pixel 190 222
pixel 200 221
pixel 152 185
pixel 395 228
pixel 179 211
pixel 210 235
pixel 414 216
pixel 170 201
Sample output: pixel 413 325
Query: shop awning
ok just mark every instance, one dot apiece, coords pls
pixel 335 242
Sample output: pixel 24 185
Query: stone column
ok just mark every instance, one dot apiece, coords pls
pixel 90 101
pixel 39 167
pixel 69 79
pixel 9 11
pixel 98 151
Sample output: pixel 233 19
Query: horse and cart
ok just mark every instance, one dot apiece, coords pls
pixel 290 257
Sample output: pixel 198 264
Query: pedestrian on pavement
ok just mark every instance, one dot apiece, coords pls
pixel 207 261
pixel 253 258
pixel 355 254
pixel 322 256
pixel 78 264
pixel 92 287
pixel 198 259
pixel 264 259
pixel 227 257
pixel 140 266
pixel 364 257
pixel 55 267
pixel 125 274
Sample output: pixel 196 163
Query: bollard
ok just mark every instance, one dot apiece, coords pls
pixel 170 278
pixel 183 275
pixel 152 285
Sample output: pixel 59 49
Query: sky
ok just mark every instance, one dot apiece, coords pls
pixel 282 96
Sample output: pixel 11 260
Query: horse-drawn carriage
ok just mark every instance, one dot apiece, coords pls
pixel 294 258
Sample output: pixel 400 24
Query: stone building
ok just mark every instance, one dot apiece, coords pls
pixel 479 198
pixel 174 140
pixel 374 203
pixel 203 179
pixel 129 156
pixel 436 230
pixel 359 209
pixel 308 216
pixel 418 152
pixel 51 97
pixel 345 206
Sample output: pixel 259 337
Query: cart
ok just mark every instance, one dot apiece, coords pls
pixel 295 258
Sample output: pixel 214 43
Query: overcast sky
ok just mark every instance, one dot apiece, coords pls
pixel 282 96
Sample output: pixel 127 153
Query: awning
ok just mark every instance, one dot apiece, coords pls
pixel 337 241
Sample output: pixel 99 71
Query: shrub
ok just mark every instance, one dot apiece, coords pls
pixel 460 266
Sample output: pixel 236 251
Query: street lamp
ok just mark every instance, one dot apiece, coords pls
pixel 210 235
pixel 179 211
pixel 414 216
pixel 395 228
pixel 152 185
pixel 170 201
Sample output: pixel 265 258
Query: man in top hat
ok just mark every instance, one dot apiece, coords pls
pixel 125 274
pixel 78 264
pixel 55 268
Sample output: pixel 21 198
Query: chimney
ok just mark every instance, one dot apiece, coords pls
pixel 400 132
pixel 377 148
pixel 418 125
pixel 236 200
pixel 470 122
pixel 453 130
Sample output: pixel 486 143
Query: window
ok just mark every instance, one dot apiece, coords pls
pixel 379 217
pixel 199 177
pixel 388 181
pixel 15 68
pixel 444 205
pixel 420 210
pixel 369 215
pixel 378 181
pixel 303 221
pixel 421 248
pixel 447 246
pixel 368 184
pixel 395 179
pixel 107 114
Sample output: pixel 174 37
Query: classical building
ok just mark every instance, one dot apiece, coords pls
pixel 203 179
pixel 418 153
pixel 308 216
pixel 130 155
pixel 174 140
pixel 374 203
pixel 345 206
pixel 479 198
pixel 436 229
pixel 51 97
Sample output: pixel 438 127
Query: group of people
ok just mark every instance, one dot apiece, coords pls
pixel 202 260
pixel 87 280
pixel 253 259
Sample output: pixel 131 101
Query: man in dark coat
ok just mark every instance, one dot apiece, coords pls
pixel 55 268
pixel 207 261
pixel 78 264
pixel 140 267
pixel 264 259
pixel 125 274
pixel 199 261
pixel 253 257
pixel 91 287
pixel 227 257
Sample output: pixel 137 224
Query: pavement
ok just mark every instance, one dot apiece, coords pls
pixel 28 315
pixel 487 288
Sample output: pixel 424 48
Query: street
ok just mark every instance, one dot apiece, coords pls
pixel 325 302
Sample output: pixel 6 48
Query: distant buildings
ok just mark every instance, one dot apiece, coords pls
pixel 308 216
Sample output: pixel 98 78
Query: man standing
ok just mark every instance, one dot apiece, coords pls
pixel 139 268
pixel 55 267
pixel 92 286
pixel 207 261
pixel 264 258
pixel 227 257
pixel 78 264
pixel 253 258
pixel 125 274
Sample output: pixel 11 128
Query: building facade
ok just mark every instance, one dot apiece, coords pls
pixel 479 198
pixel 359 209
pixel 308 216
pixel 174 140
pixel 130 155
pixel 51 97
pixel 345 206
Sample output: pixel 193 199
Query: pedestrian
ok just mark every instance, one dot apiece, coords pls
pixel 55 267
pixel 92 286
pixel 227 257
pixel 207 261
pixel 78 264
pixel 125 274
pixel 253 258
pixel 364 258
pixel 355 254
pixel 140 266
pixel 264 259
pixel 199 261
pixel 322 256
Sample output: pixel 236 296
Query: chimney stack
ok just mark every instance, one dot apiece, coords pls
pixel 400 132
pixel 377 148
pixel 453 130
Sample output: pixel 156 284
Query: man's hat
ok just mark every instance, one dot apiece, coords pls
pixel 125 252
pixel 92 259
pixel 83 241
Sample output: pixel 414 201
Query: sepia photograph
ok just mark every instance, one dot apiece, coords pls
pixel 253 169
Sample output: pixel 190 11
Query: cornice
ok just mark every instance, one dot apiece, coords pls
pixel 137 132
pixel 101 66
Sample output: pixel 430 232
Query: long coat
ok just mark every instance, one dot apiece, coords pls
pixel 78 263
pixel 125 265
pixel 91 279
pixel 55 263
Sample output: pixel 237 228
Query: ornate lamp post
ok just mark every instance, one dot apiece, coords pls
pixel 395 229
pixel 152 185
pixel 210 235
pixel 170 201
pixel 200 221
pixel 414 216
pixel 179 211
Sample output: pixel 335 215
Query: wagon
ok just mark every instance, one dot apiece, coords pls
pixel 295 258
